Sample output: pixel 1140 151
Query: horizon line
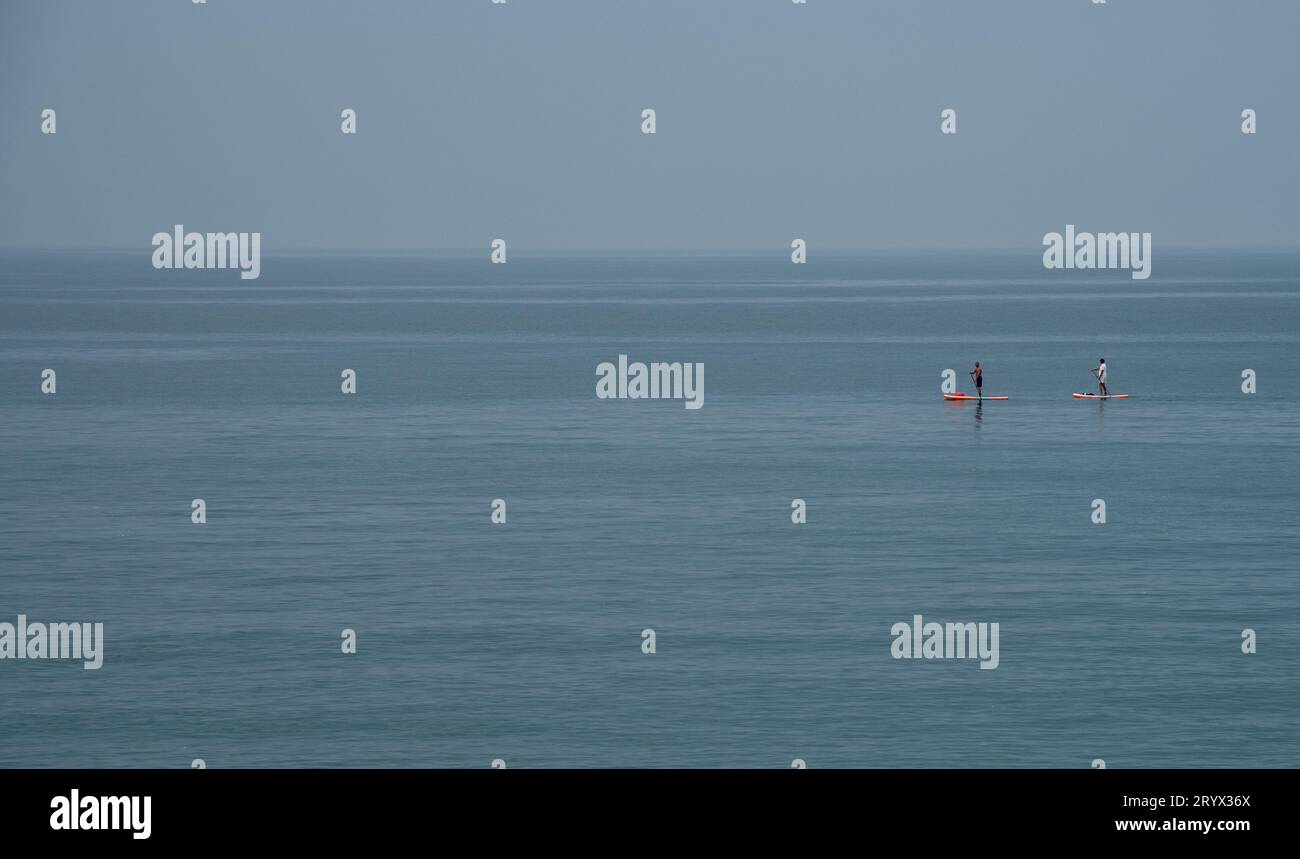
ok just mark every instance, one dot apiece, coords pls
pixel 297 250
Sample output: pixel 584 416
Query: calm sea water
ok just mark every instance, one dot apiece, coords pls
pixel 1119 641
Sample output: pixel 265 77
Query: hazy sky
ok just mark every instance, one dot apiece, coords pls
pixel 522 121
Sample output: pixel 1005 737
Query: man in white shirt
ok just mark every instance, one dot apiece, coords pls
pixel 1100 371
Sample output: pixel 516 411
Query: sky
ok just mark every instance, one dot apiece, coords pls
pixel 522 121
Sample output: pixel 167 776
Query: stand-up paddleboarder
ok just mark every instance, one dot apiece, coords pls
pixel 1100 372
pixel 978 375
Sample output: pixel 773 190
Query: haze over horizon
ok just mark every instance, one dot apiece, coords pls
pixel 522 121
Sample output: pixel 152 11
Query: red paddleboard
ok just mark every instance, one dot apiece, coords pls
pixel 1101 396
pixel 960 396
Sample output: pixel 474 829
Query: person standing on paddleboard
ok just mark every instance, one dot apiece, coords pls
pixel 1100 372
pixel 978 374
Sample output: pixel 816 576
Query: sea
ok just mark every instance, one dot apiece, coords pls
pixel 630 522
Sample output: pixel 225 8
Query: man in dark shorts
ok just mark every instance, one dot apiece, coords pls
pixel 979 380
